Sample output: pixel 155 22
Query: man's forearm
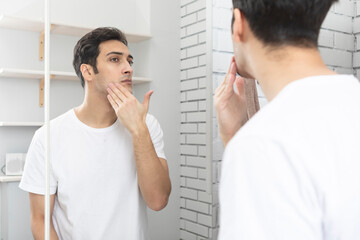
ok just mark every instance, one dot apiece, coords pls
pixel 38 231
pixel 153 176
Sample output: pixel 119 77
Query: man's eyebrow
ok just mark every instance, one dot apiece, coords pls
pixel 119 53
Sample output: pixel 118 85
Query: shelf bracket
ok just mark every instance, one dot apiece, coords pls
pixel 42 42
pixel 41 46
pixel 41 90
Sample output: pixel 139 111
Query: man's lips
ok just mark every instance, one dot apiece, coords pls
pixel 127 81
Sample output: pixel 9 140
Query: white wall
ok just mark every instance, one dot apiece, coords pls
pixel 196 213
pixel 131 16
pixel 336 40
pixel 158 58
pixel 356 30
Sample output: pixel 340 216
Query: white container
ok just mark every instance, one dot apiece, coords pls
pixel 15 163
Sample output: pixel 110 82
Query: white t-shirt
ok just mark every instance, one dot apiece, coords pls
pixel 293 171
pixel 93 174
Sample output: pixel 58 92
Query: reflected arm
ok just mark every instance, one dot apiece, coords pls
pixel 37 211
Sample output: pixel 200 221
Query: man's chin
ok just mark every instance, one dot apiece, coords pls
pixel 245 74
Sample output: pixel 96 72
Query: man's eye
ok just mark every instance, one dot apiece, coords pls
pixel 131 63
pixel 114 59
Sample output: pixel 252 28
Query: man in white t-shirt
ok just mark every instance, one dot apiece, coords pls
pixel 293 170
pixel 107 155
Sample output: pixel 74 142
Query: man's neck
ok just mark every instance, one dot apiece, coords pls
pixel 281 67
pixel 96 111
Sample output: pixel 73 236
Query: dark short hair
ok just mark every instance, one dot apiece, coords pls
pixel 87 48
pixel 285 22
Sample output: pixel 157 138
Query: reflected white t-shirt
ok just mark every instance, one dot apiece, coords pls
pixel 293 171
pixel 93 174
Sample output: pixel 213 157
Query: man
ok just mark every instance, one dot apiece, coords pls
pixel 292 171
pixel 107 157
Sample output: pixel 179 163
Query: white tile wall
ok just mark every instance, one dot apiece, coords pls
pixel 195 212
pixel 356 60
pixel 345 8
pixel 326 38
pixel 336 58
pixel 222 40
pixel 344 41
pixel 337 22
pixel 222 17
pixel 357 24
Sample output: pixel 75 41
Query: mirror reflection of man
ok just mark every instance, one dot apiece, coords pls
pixel 292 171
pixel 107 156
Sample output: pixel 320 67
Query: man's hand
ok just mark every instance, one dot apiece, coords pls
pixel 152 171
pixel 128 109
pixel 230 105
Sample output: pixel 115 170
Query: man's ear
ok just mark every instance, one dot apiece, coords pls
pixel 238 26
pixel 87 72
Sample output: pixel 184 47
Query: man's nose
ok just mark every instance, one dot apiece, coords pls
pixel 128 69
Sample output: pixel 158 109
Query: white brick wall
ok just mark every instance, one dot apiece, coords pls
pixel 222 53
pixel 356 59
pixel 337 40
pixel 195 213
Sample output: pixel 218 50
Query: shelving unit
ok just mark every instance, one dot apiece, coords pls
pixel 4 178
pixel 56 75
pixel 21 124
pixel 37 26
pixel 13 74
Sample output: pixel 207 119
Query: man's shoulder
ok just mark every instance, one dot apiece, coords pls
pixel 56 123
pixel 151 121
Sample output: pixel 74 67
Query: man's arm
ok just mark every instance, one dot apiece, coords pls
pixel 152 171
pixel 37 212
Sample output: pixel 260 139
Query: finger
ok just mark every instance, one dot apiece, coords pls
pixel 146 101
pixel 112 102
pixel 240 85
pixel 231 62
pixel 233 67
pixel 219 90
pixel 123 90
pixel 230 84
pixel 114 97
pixel 230 71
pixel 118 93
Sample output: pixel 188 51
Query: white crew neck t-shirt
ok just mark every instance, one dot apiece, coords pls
pixel 293 171
pixel 93 174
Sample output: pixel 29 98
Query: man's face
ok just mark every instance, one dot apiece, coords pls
pixel 240 53
pixel 114 65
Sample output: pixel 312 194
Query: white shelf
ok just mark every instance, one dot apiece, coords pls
pixel 21 124
pixel 35 74
pixel 4 178
pixel 37 26
pixel 57 75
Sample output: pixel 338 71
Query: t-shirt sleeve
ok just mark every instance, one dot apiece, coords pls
pixel 33 179
pixel 263 194
pixel 156 135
